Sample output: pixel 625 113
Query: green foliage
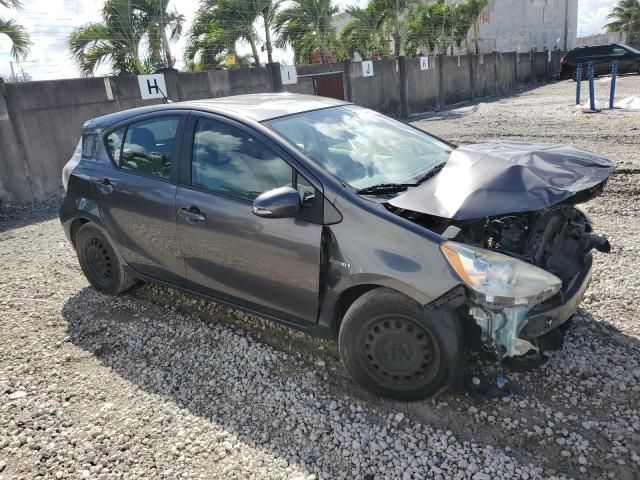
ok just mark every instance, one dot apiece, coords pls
pixel 433 28
pixel 416 26
pixel 364 34
pixel 220 24
pixel 392 14
pixel 307 26
pixel 20 40
pixel 625 17
pixel 117 39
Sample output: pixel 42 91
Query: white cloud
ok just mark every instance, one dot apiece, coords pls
pixel 592 16
pixel 49 22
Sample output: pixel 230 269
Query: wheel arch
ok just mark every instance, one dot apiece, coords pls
pixel 336 304
pixel 76 224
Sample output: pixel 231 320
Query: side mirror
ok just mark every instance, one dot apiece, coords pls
pixel 277 203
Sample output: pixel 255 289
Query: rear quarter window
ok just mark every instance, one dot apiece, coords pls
pixel 89 146
pixel 114 144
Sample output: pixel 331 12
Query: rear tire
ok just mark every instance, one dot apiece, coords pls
pixel 99 262
pixel 391 346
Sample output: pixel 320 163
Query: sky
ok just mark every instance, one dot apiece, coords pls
pixel 49 22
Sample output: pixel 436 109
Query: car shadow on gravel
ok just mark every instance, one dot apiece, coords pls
pixel 123 332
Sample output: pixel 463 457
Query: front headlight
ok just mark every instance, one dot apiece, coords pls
pixel 499 279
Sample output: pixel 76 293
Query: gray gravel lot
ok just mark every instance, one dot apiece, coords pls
pixel 157 384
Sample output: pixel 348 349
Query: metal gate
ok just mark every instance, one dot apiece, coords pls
pixel 329 85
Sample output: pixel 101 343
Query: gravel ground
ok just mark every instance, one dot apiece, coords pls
pixel 157 384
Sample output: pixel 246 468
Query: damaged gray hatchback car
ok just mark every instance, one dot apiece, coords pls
pixel 344 223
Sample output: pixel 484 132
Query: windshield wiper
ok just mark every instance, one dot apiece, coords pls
pixel 431 173
pixel 386 188
pixel 382 188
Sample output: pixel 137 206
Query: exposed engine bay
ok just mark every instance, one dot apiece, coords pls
pixel 558 240
pixel 513 235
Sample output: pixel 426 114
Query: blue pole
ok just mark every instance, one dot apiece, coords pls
pixel 592 93
pixel 578 82
pixel 614 74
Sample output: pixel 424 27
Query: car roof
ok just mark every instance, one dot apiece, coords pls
pixel 257 107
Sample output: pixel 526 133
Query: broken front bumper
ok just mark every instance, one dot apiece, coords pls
pixel 552 313
pixel 513 331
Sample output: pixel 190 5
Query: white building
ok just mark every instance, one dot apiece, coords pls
pixel 515 26
pixel 524 25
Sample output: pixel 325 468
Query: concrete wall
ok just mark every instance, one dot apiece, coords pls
pixel 457 85
pixel 423 86
pixel 380 92
pixel 40 122
pixel 540 60
pixel 507 78
pixel 485 81
pixel 523 68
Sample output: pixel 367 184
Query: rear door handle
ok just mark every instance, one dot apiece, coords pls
pixel 191 214
pixel 105 186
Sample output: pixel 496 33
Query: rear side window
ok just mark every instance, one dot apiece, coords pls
pixel 145 147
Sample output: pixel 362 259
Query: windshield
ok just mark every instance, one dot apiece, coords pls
pixel 361 147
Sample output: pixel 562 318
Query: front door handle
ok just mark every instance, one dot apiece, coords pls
pixel 105 186
pixel 191 214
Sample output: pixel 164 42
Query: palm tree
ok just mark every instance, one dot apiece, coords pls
pixel 439 25
pixel 392 14
pixel 159 19
pixel 267 11
pixel 625 17
pixel 20 41
pixel 220 24
pixel 363 33
pixel 306 26
pixel 118 37
pixel 423 29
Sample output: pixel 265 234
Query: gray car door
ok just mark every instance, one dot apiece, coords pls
pixel 135 184
pixel 265 264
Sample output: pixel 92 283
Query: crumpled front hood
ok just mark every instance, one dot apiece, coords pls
pixel 488 179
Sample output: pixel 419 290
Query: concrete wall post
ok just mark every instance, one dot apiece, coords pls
pixel 472 87
pixel 404 87
pixel 171 79
pixel 276 78
pixel 532 69
pixel 440 67
pixel 496 58
pixel 15 184
pixel 347 82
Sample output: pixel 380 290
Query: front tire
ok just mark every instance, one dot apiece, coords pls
pixel 393 347
pixel 99 262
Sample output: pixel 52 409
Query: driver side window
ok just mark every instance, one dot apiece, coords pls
pixel 227 160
